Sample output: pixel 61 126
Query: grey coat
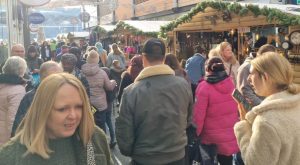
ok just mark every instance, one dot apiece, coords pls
pixel 154 113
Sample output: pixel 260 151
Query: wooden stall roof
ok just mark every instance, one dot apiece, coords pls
pixel 208 16
pixel 107 28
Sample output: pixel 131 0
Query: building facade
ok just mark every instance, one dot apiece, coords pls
pixel 11 23
pixel 152 9
pixel 166 9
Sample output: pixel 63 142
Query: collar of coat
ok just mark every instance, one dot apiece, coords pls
pixel 155 70
pixel 278 101
pixel 11 79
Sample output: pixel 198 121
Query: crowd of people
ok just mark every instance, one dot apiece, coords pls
pixel 57 104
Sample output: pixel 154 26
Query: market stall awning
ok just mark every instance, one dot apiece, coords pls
pixel 78 34
pixel 217 15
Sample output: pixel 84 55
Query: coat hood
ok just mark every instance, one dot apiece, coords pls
pixel 225 86
pixel 90 69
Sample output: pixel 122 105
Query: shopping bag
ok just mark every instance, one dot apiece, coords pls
pixel 193 156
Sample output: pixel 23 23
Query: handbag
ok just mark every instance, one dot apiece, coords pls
pixel 193 155
pixel 208 154
pixel 90 154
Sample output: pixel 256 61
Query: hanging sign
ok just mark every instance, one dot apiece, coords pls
pixel 36 18
pixel 34 28
pixel 34 2
pixel 84 16
pixel 244 29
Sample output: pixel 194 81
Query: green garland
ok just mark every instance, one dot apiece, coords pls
pixel 271 14
pixel 99 29
pixel 133 30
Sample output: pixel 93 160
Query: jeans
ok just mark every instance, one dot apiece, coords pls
pixel 100 119
pixel 109 122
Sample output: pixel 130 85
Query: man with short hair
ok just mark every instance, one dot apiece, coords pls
pixel 18 50
pixel 195 67
pixel 64 49
pixel 154 112
pixel 46 69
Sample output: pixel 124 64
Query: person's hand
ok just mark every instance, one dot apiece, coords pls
pixel 114 82
pixel 242 111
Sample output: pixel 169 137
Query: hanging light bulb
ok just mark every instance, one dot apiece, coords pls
pixel 232 32
pixel 256 36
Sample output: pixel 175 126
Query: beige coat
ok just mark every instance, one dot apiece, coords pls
pixel 10 98
pixel 270 135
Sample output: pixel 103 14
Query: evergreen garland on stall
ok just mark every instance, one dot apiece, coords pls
pixel 271 14
pixel 133 30
pixel 99 30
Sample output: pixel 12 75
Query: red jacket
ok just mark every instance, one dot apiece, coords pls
pixel 215 113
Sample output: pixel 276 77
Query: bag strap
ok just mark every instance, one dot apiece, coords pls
pixel 90 154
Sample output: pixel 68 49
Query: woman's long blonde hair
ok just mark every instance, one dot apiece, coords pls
pixel 279 70
pixel 115 49
pixel 32 130
pixel 221 47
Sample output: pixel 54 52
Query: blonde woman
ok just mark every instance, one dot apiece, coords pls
pixel 116 54
pixel 269 133
pixel 58 128
pixel 224 50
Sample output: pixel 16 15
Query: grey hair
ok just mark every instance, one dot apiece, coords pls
pixel 15 65
pixel 69 58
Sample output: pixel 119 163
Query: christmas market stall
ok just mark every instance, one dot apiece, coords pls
pixel 130 35
pixel 245 26
pixel 77 37
pixel 104 33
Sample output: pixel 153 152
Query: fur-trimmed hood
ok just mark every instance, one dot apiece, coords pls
pixel 279 101
pixel 154 71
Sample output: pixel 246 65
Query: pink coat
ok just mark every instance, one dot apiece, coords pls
pixel 98 82
pixel 10 98
pixel 215 113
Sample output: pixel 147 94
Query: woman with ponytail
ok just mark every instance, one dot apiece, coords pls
pixel 215 111
pixel 269 133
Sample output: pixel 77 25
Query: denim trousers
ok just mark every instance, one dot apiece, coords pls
pixel 100 119
pixel 109 122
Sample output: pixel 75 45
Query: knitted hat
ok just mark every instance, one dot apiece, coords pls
pixel 93 57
